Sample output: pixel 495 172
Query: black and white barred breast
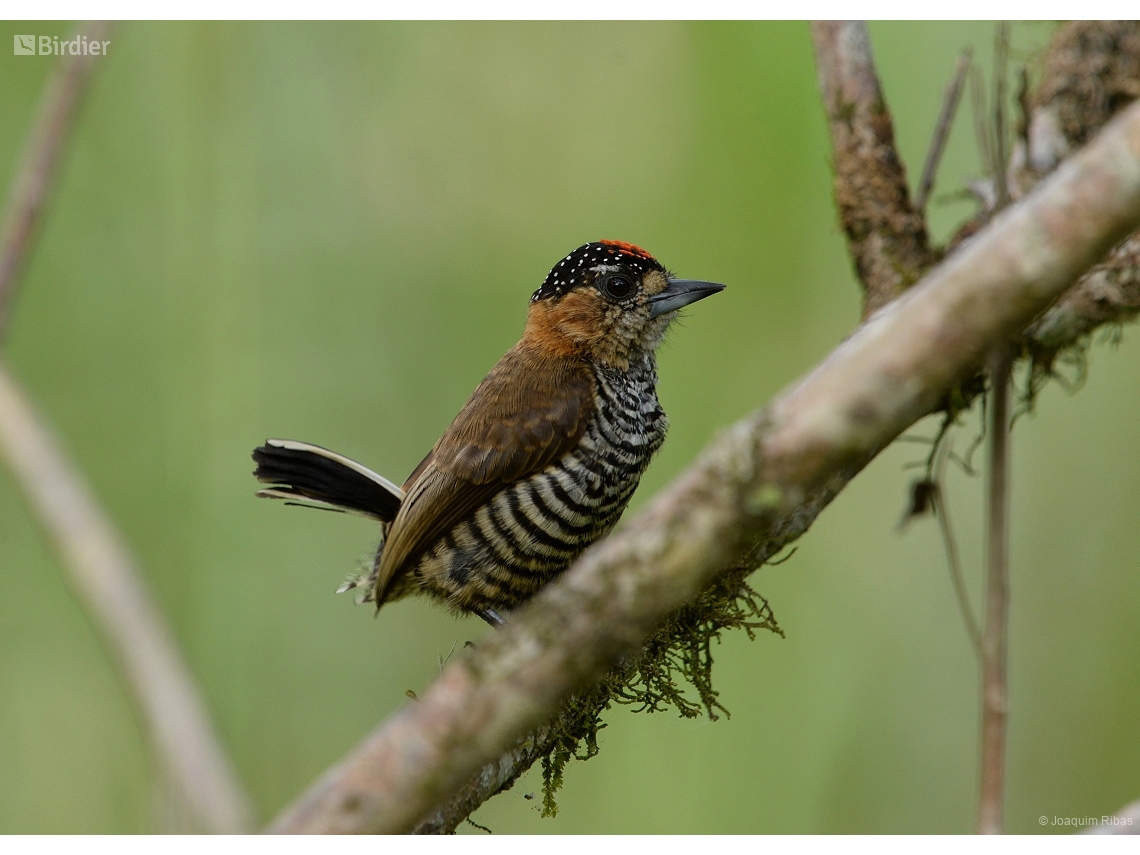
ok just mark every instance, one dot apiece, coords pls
pixel 532 530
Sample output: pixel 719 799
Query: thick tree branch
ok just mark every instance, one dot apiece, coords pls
pixel 98 565
pixel 758 486
pixel 38 168
pixel 886 234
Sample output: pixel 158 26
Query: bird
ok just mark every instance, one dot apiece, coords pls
pixel 539 463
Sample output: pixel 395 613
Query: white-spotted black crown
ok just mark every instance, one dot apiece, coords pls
pixel 576 269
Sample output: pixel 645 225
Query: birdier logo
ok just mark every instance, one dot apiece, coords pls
pixel 52 46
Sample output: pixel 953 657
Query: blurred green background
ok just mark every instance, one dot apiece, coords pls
pixel 329 232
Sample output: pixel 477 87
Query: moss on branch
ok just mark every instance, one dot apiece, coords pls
pixel 678 653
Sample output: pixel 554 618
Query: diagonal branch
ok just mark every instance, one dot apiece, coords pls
pixel 886 234
pixel 99 566
pixel 757 487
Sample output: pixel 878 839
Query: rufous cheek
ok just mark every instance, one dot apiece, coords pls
pixel 580 316
pixel 573 324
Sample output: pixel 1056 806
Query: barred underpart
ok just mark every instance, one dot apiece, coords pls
pixel 531 531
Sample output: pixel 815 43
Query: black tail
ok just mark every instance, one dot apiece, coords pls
pixel 297 470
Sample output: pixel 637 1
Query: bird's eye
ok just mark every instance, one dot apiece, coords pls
pixel 617 287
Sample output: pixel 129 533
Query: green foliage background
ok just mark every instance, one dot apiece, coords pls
pixel 329 232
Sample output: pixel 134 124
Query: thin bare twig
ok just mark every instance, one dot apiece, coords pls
pixel 950 101
pixel 995 640
pixel 981 122
pixel 1001 72
pixel 39 164
pixel 942 511
pixel 98 565
pixel 753 490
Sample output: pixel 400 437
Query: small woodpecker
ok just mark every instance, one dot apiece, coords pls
pixel 542 459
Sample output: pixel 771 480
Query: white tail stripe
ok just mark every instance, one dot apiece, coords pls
pixel 306 502
pixel 293 445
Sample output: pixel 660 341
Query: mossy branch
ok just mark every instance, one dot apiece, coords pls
pixel 756 488
pixel 678 652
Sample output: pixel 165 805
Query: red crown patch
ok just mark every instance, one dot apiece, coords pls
pixel 627 248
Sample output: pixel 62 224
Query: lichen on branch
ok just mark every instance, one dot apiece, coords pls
pixel 886 234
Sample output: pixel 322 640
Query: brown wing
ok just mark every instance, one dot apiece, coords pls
pixel 528 412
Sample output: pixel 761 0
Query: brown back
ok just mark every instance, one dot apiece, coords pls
pixel 527 413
